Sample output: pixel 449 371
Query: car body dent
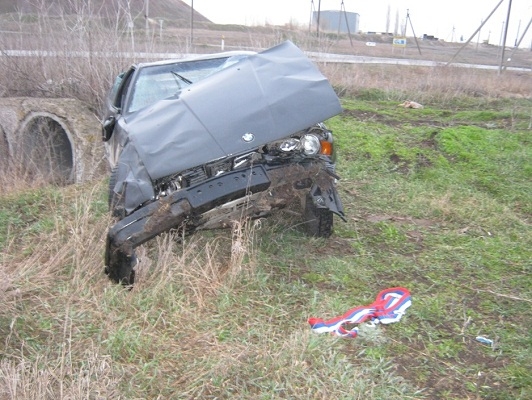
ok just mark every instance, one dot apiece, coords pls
pixel 271 95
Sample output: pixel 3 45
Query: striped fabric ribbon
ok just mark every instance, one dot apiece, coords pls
pixel 389 307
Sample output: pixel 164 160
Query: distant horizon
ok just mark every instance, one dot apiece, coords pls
pixel 440 20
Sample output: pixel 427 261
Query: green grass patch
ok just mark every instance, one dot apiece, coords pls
pixel 437 200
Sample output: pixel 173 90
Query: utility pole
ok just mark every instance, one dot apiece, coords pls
pixel 520 39
pixel 474 33
pixel 342 9
pixel 147 16
pixel 478 37
pixel 502 34
pixel 517 35
pixel 505 35
pixel 318 21
pixel 412 26
pixel 312 9
pixel 192 22
pixel 388 21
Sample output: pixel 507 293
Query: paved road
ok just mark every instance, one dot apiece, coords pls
pixel 316 56
pixel 350 59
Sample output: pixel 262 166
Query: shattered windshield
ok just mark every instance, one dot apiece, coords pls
pixel 159 82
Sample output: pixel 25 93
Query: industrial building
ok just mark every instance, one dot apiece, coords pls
pixel 337 21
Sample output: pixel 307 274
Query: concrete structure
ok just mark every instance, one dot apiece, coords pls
pixel 57 140
pixel 335 21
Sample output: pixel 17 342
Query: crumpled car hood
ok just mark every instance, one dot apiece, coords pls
pixel 271 95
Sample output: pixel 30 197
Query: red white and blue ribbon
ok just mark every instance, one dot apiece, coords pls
pixel 388 308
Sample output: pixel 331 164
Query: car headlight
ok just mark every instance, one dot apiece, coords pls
pixel 310 144
pixel 289 145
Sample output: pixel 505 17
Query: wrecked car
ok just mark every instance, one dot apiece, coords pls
pixel 201 143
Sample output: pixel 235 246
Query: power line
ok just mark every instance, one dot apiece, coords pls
pixel 474 33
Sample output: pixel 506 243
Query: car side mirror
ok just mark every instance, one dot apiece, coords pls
pixel 107 128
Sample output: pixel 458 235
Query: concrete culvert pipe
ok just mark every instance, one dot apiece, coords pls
pixel 56 140
pixel 45 150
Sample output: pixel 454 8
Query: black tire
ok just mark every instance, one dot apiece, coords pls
pixel 123 271
pixel 318 221
pixel 126 276
pixel 114 200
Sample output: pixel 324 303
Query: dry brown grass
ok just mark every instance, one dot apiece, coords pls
pixel 80 70
pixel 201 265
pixel 69 333
pixel 441 84
pixel 65 254
pixel 52 285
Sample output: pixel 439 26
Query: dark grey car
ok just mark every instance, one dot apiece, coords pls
pixel 198 144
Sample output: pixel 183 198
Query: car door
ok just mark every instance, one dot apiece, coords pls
pixel 113 131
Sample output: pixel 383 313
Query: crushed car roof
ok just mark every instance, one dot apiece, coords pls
pixel 195 57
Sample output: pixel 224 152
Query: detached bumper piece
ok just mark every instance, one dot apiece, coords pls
pixel 172 211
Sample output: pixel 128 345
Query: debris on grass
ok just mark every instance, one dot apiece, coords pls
pixel 484 340
pixel 389 307
pixel 410 104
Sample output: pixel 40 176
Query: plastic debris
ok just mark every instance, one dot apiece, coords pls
pixel 389 307
pixel 484 340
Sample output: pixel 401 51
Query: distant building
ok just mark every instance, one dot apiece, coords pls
pixel 335 21
pixel 429 37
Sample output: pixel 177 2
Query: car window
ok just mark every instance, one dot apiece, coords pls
pixel 159 82
pixel 116 85
pixel 119 90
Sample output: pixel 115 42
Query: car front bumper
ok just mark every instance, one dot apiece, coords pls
pixel 269 186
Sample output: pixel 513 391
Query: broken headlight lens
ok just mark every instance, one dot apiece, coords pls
pixel 310 144
pixel 289 145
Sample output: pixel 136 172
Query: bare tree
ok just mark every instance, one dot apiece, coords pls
pixel 388 20
pixel 396 28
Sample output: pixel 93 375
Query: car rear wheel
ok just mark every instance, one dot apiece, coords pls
pixel 318 221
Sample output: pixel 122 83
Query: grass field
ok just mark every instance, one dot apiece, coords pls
pixel 438 200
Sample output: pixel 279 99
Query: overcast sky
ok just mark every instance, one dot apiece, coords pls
pixel 445 19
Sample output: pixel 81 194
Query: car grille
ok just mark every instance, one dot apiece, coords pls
pixel 194 176
pixel 201 173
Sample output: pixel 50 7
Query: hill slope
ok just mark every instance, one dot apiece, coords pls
pixel 168 9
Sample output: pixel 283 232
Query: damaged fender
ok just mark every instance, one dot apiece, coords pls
pixel 263 187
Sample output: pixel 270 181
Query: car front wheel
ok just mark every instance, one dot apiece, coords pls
pixel 318 221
